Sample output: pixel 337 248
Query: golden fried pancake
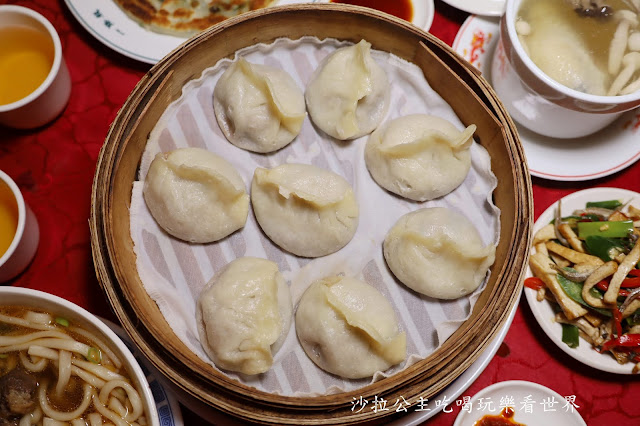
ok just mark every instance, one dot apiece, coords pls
pixel 186 17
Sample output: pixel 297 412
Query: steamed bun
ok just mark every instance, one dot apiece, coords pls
pixel 304 209
pixel 348 328
pixel 419 156
pixel 348 94
pixel 437 252
pixel 244 314
pixel 195 195
pixel 258 107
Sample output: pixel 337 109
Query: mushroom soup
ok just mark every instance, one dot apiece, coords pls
pixel 592 46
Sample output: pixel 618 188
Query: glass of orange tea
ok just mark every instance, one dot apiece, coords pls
pixel 568 68
pixel 19 230
pixel 34 79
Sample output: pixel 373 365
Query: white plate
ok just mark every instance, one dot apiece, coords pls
pixel 542 310
pixel 423 12
pixel 479 7
pixel 112 27
pixel 601 154
pixel 462 383
pixel 527 399
pixel 169 412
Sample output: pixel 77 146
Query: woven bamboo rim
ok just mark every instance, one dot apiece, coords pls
pixel 459 83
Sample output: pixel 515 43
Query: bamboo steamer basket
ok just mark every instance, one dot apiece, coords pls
pixel 459 83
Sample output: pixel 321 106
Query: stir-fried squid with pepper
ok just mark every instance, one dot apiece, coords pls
pixel 587 265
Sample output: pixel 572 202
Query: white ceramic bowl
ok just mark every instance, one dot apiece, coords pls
pixel 57 306
pixel 49 99
pixel 25 241
pixel 540 103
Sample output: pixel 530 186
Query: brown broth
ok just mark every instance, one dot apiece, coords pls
pixel 72 396
pixel 400 8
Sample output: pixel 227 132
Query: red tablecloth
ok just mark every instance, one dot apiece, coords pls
pixel 54 167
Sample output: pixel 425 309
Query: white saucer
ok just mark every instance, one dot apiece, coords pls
pixel 479 7
pixel 105 21
pixel 601 154
pixel 543 310
pixel 423 12
pixel 169 412
pixel 527 399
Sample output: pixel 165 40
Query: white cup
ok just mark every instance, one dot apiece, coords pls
pixel 25 241
pixel 49 99
pixel 538 102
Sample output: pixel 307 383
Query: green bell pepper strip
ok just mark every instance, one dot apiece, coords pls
pixel 610 229
pixel 570 335
pixel 607 204
pixel 574 291
pixel 603 247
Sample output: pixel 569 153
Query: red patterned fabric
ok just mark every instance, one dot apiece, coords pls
pixel 54 167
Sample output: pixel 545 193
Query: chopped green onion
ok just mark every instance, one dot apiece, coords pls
pixel 573 220
pixel 62 321
pixel 608 204
pixel 609 229
pixel 633 319
pixel 94 355
pixel 589 217
pixel 570 335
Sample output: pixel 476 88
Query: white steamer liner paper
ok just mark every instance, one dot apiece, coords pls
pixel 174 272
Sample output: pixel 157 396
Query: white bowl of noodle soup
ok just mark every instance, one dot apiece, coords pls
pixel 540 103
pixel 84 373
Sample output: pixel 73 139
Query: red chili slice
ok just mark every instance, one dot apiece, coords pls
pixel 534 283
pixel 604 286
pixel 625 341
pixel 632 282
pixel 617 321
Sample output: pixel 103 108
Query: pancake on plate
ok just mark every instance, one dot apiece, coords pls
pixel 185 18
